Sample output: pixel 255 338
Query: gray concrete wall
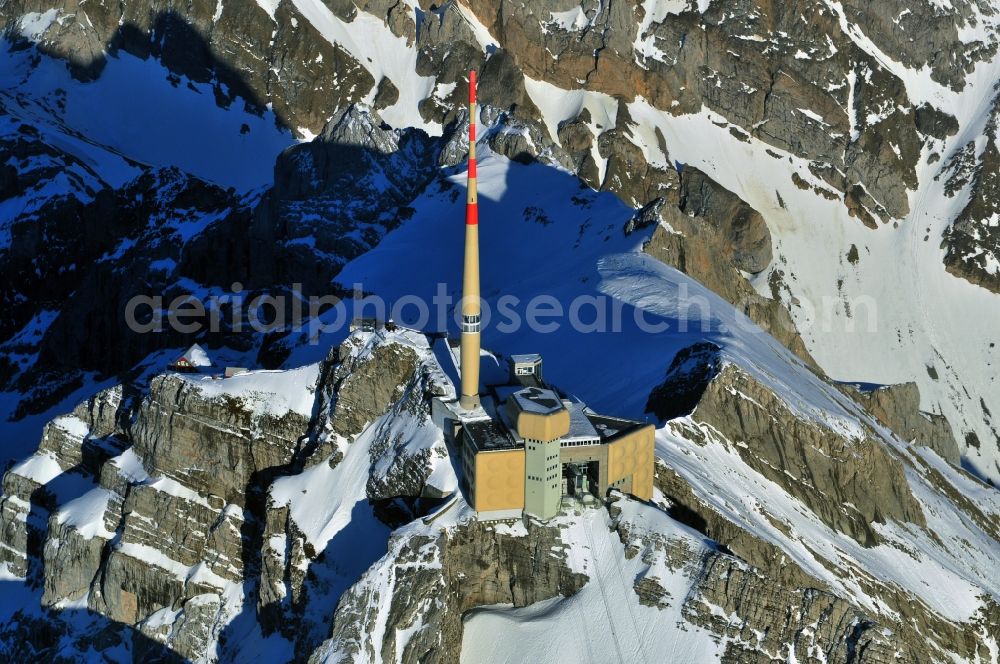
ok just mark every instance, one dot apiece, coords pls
pixel 542 496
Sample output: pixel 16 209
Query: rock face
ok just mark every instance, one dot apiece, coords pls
pixel 811 461
pixel 760 615
pixel 211 446
pixel 898 407
pixel 162 530
pixel 435 580
pixel 689 374
pixel 862 473
pixel 694 245
pixel 385 463
pixel 742 230
pixel 687 508
pixel 138 508
pixel 844 633
pixel 369 384
pixel 185 534
pixel 790 582
pixel 73 447
pixel 973 239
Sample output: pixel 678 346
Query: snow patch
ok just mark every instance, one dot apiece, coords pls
pixel 86 514
pixel 265 392
pixel 369 40
pixel 34 25
pixel 117 113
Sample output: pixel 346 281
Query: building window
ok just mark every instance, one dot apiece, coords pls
pixel 470 324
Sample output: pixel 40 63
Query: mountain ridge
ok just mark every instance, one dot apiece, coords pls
pixel 801 194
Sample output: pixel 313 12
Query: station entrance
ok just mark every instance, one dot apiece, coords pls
pixel 580 479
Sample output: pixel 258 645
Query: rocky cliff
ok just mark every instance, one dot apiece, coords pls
pixel 898 407
pixel 148 511
pixel 299 512
pixel 971 242
pixel 819 460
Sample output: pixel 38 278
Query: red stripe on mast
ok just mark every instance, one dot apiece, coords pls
pixel 471 207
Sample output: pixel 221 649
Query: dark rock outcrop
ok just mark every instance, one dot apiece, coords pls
pixel 898 407
pixel 336 196
pixel 78 265
pixel 688 376
pixel 742 230
pixel 972 242
pixel 848 483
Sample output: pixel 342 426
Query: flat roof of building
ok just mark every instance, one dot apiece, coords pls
pixel 530 380
pixel 526 357
pixel 610 428
pixel 580 426
pixel 489 435
pixel 538 400
pixel 503 392
pixel 490 429
pixel 478 413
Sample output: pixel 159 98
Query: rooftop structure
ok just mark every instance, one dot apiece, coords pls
pixel 489 436
pixel 527 369
pixel 581 429
pixel 610 428
pixel 537 400
pixel 525 359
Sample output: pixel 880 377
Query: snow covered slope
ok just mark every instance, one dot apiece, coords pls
pixel 562 629
pixel 891 314
pixel 137 111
